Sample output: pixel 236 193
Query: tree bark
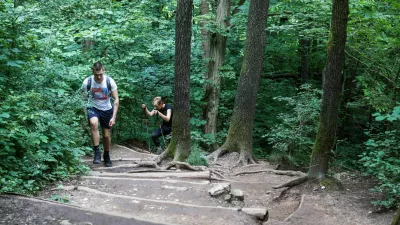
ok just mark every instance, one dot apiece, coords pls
pixel 396 220
pixel 213 80
pixel 205 34
pixel 331 90
pixel 240 134
pixel 179 146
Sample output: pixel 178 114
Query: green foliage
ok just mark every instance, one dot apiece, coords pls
pixel 382 157
pixel 44 61
pixel 37 146
pixel 294 137
pixel 197 157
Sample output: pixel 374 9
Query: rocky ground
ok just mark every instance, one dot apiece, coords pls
pixel 129 194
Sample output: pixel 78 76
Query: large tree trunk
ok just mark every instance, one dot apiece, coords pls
pixel 213 80
pixel 240 135
pixel 331 90
pixel 179 146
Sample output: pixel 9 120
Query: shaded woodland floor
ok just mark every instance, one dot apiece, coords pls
pixel 130 194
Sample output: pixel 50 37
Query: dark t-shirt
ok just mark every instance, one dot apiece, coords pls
pixel 164 112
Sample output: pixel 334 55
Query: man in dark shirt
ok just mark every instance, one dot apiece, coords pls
pixel 165 112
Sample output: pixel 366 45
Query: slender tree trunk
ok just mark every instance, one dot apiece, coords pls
pixel 240 134
pixel 304 50
pixel 205 34
pixel 396 220
pixel 213 81
pixel 179 146
pixel 331 90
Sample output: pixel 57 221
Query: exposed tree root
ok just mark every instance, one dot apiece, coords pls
pixel 180 165
pixel 193 175
pixel 298 208
pixel 254 165
pixel 202 182
pixel 146 170
pixel 162 156
pixel 115 159
pixel 217 153
pixel 139 149
pixel 293 182
pixel 137 164
pixel 278 172
pixel 133 150
pixel 245 157
pixel 217 173
pixel 147 164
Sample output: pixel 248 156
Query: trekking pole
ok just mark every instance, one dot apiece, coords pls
pixel 148 136
pixel 162 134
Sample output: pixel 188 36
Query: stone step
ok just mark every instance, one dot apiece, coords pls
pixel 33 211
pixel 159 210
pixel 119 152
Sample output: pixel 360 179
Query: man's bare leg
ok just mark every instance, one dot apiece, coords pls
pixel 94 124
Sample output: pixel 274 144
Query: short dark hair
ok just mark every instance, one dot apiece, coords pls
pixel 97 66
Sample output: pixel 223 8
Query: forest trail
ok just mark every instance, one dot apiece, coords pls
pixel 127 194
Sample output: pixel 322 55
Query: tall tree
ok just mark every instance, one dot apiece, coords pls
pixel 205 33
pixel 331 90
pixel 216 58
pixel 179 146
pixel 240 134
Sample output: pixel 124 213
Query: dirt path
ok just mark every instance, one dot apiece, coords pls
pixel 126 194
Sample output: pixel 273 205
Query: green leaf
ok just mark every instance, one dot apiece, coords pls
pixel 5 115
pixel 44 139
pixel 14 63
pixel 380 118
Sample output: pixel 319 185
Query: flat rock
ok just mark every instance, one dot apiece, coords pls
pixel 219 189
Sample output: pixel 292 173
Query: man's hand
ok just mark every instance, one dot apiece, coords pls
pixel 112 122
pixel 143 106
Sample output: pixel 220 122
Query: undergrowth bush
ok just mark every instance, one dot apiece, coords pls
pixel 293 138
pixel 197 157
pixel 381 158
pixel 37 145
